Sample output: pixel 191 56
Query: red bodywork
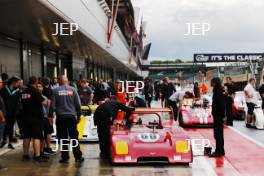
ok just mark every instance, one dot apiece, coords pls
pixel 146 144
pixel 192 115
pixel 238 108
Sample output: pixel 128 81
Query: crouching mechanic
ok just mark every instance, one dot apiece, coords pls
pixel 67 104
pixel 32 121
pixel 104 117
pixel 175 98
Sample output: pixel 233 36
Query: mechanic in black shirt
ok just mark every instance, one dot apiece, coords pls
pixel 218 112
pixel 231 89
pixel 261 92
pixel 32 120
pixel 148 92
pixel 104 117
pixel 167 90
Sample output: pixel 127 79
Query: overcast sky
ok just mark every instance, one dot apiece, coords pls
pixel 236 26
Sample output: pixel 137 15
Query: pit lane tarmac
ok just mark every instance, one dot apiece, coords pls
pixel 243 157
pixel 94 166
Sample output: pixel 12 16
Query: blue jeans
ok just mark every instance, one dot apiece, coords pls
pixel 2 129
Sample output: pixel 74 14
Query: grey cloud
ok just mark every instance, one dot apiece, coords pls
pixel 236 26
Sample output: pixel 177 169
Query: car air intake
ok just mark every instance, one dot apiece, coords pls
pixel 146 160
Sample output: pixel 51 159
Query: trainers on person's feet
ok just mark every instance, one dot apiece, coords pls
pixel 2 168
pixel 14 139
pixel 216 155
pixel 64 161
pixel 39 159
pixel 3 144
pixel 249 125
pixel 25 157
pixel 79 160
pixel 11 146
pixel 49 151
pixel 43 156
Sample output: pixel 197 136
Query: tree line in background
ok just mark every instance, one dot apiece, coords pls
pixel 176 61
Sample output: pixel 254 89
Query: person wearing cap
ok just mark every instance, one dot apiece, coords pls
pixel 10 94
pixel 67 104
pixel 104 117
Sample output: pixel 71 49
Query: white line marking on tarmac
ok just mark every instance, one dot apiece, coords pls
pixel 206 165
pixel 247 137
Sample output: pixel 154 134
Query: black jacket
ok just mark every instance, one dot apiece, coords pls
pixel 218 105
pixel 231 88
pixel 107 112
pixel 11 99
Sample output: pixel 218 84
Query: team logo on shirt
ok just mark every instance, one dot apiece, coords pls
pixel 65 93
pixel 26 96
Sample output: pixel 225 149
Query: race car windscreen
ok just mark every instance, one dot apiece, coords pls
pixel 187 102
pixel 148 118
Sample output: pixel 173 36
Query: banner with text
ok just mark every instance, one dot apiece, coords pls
pixel 244 57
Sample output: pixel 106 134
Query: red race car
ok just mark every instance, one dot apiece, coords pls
pixel 196 112
pixel 239 106
pixel 152 136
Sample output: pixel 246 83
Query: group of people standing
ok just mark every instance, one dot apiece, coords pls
pixel 33 107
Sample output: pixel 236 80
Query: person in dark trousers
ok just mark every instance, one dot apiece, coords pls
pixel 48 119
pixel 104 117
pixel 148 92
pixel 32 120
pixel 139 102
pixel 231 89
pixel 167 90
pixel 10 94
pixel 67 103
pixel 261 92
pixel 19 118
pixel 218 112
pixel 157 90
pixel 196 90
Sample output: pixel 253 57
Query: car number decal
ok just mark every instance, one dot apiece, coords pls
pixel 148 137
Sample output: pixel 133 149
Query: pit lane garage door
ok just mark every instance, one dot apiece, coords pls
pixel 35 62
pixel 9 57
